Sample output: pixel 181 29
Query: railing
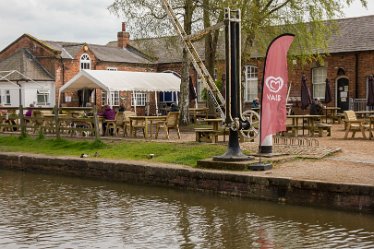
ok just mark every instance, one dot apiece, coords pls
pixel 359 105
pixel 58 121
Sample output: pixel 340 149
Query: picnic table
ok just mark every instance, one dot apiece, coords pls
pixel 371 126
pixel 298 123
pixel 198 112
pixel 147 123
pixel 332 112
pixel 210 134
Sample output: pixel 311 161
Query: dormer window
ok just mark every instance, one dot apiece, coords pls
pixel 85 62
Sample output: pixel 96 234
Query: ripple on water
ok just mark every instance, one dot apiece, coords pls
pixel 39 211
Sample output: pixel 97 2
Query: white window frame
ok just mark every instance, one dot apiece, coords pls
pixel 113 100
pixel 85 62
pixel 44 94
pixel 141 98
pixel 111 69
pixel 250 83
pixel 5 98
pixel 319 75
pixel 173 97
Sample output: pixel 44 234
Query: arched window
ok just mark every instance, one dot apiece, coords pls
pixel 85 62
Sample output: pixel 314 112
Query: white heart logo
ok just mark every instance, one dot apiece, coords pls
pixel 274 84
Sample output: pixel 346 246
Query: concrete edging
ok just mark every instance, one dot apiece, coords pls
pixel 300 192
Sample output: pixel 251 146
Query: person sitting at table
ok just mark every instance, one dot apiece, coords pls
pixel 316 107
pixel 29 111
pixel 108 114
pixel 174 107
pixel 255 103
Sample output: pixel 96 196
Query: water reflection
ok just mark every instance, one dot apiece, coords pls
pixel 43 211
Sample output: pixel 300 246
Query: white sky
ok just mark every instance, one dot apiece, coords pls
pixel 77 20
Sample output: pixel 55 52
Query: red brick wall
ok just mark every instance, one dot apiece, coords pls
pixel 347 61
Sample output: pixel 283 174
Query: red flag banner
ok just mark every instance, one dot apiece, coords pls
pixel 274 87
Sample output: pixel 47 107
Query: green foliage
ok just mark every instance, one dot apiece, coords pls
pixel 262 21
pixel 179 153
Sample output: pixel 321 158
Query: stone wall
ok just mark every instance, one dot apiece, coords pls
pixel 321 194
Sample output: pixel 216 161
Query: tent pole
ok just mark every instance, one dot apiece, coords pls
pixel 156 103
pixel 133 93
pixel 176 97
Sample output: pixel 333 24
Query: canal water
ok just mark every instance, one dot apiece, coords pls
pixel 45 211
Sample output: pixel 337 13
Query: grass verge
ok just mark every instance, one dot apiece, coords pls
pixel 178 153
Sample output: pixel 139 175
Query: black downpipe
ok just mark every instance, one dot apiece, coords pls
pixel 63 80
pixel 356 75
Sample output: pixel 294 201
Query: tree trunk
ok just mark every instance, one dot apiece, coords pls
pixel 211 42
pixel 184 90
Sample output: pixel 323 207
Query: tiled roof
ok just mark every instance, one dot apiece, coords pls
pixel 354 34
pixel 168 49
pixel 103 53
pixel 24 62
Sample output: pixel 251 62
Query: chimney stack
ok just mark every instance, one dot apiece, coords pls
pixel 123 37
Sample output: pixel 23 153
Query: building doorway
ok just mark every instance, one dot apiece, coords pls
pixel 342 93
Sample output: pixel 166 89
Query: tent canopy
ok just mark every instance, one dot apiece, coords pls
pixel 123 81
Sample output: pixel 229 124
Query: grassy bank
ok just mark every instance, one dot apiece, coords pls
pixel 179 153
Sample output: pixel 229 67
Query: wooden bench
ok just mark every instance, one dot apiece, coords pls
pixel 208 135
pixel 294 129
pixel 320 127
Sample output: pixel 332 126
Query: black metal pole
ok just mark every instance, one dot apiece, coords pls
pixel 233 89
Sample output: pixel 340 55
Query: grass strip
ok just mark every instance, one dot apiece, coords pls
pixel 178 153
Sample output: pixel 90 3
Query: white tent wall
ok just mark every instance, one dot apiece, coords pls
pixel 123 81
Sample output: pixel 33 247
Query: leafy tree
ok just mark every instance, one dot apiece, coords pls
pixel 262 20
pixel 148 18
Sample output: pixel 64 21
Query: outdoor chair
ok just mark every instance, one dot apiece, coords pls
pixel 126 121
pixel 171 122
pixel 353 124
pixel 110 125
pixel 120 122
pixel 138 125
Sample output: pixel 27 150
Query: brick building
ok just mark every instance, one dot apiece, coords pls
pixel 348 65
pixel 57 62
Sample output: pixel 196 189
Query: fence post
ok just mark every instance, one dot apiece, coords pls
pixel 96 123
pixel 57 121
pixel 22 121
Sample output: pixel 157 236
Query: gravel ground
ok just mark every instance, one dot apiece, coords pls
pixel 353 164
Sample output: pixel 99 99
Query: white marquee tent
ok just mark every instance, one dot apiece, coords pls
pixel 123 81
